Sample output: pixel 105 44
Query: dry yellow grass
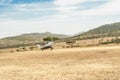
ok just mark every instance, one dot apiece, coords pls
pixel 86 43
pixel 96 63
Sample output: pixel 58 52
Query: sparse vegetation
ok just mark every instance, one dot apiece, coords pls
pixel 108 30
pixel 116 40
pixel 31 48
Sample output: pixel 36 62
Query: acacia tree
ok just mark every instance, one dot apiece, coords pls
pixel 50 38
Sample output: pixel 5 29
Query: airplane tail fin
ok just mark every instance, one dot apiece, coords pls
pixel 38 46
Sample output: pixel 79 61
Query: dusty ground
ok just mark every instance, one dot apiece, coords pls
pixel 96 63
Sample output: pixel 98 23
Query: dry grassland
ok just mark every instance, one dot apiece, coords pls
pixel 95 63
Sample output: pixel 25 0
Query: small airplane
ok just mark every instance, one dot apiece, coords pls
pixel 47 45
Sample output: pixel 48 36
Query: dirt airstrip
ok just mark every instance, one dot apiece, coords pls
pixel 95 63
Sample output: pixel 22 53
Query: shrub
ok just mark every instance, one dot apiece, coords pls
pixel 50 38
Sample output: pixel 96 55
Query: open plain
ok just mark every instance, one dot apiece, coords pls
pixel 92 63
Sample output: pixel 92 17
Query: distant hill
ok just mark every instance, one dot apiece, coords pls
pixel 27 39
pixel 108 30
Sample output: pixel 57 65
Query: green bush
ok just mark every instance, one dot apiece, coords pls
pixel 50 38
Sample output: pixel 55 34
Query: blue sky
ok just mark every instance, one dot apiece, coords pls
pixel 56 16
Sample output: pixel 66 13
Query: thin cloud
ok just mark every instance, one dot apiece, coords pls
pixel 65 5
pixel 110 8
pixel 5 2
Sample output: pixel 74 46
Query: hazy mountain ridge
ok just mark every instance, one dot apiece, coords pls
pixel 108 30
pixel 27 39
pixel 34 36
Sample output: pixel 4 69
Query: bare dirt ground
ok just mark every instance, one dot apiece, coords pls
pixel 95 63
